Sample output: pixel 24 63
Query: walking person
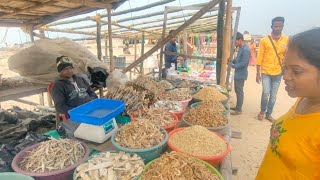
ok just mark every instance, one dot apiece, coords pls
pixel 252 46
pixel 294 146
pixel 272 49
pixel 241 71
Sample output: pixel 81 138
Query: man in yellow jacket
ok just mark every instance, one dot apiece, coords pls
pixel 272 49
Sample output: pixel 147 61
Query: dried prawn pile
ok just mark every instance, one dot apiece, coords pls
pixel 171 106
pixel 180 94
pixel 139 134
pixel 134 100
pixel 165 84
pixel 198 141
pixel 178 166
pixel 207 116
pixel 210 93
pixel 110 166
pixel 157 116
pixel 53 155
pixel 215 106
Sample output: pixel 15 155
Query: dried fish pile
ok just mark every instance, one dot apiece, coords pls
pixel 139 134
pixel 165 84
pixel 134 100
pixel 157 116
pixel 206 116
pixel 171 106
pixel 210 93
pixel 111 166
pixel 198 141
pixel 53 155
pixel 187 84
pixel 149 97
pixel 179 94
pixel 149 84
pixel 178 166
pixel 215 106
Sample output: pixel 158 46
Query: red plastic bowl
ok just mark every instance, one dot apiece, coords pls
pixel 214 160
pixel 63 174
pixel 179 114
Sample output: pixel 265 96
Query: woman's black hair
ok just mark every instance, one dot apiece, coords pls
pixel 307 44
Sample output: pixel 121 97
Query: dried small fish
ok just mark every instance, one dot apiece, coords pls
pixel 210 93
pixel 171 106
pixel 165 84
pixel 157 116
pixel 198 141
pixel 206 116
pixel 139 134
pixel 179 94
pixel 109 165
pixel 178 166
pixel 53 155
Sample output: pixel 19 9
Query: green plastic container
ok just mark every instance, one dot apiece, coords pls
pixel 147 154
pixel 209 166
pixel 14 176
pixel 123 119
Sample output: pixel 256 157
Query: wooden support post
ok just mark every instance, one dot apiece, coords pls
pixel 220 39
pixel 142 52
pixel 49 99
pixel 110 38
pixel 31 36
pixel 106 46
pixel 162 38
pixel 42 35
pixel 41 99
pixel 200 13
pixel 235 30
pixel 226 43
pixel 135 54
pixel 98 37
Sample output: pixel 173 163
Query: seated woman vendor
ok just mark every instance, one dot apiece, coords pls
pixel 69 90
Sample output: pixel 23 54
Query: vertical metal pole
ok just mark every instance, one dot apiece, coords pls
pixel 235 30
pixel 220 39
pixel 110 38
pixel 162 37
pixel 142 52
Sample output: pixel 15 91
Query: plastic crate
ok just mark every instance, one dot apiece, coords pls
pixel 119 62
pixel 97 112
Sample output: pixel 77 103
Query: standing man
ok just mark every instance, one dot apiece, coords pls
pixel 171 46
pixel 241 71
pixel 272 49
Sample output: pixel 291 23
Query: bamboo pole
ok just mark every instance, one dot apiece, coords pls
pixel 142 52
pixel 220 39
pixel 162 38
pixel 98 39
pixel 110 39
pixel 226 43
pixel 114 14
pixel 235 30
pixel 200 13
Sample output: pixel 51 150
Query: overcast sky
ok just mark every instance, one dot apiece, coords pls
pixel 255 16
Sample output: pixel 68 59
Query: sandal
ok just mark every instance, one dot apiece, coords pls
pixel 260 116
pixel 271 119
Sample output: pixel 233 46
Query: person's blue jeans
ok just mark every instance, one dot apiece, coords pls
pixel 270 86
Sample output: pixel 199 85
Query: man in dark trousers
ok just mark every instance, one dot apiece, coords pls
pixel 240 65
pixel 69 90
pixel 171 46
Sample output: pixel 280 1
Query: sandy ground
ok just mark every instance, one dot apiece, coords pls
pixel 247 153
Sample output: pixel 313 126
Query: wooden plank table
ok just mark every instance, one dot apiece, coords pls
pixel 16 93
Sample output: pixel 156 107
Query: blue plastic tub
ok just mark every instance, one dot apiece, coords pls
pixel 97 112
pixel 14 176
pixel 147 154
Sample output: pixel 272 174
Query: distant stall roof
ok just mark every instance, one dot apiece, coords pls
pixel 26 13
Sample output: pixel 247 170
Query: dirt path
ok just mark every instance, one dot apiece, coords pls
pixel 248 152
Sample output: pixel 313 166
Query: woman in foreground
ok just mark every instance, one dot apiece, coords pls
pixel 294 147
